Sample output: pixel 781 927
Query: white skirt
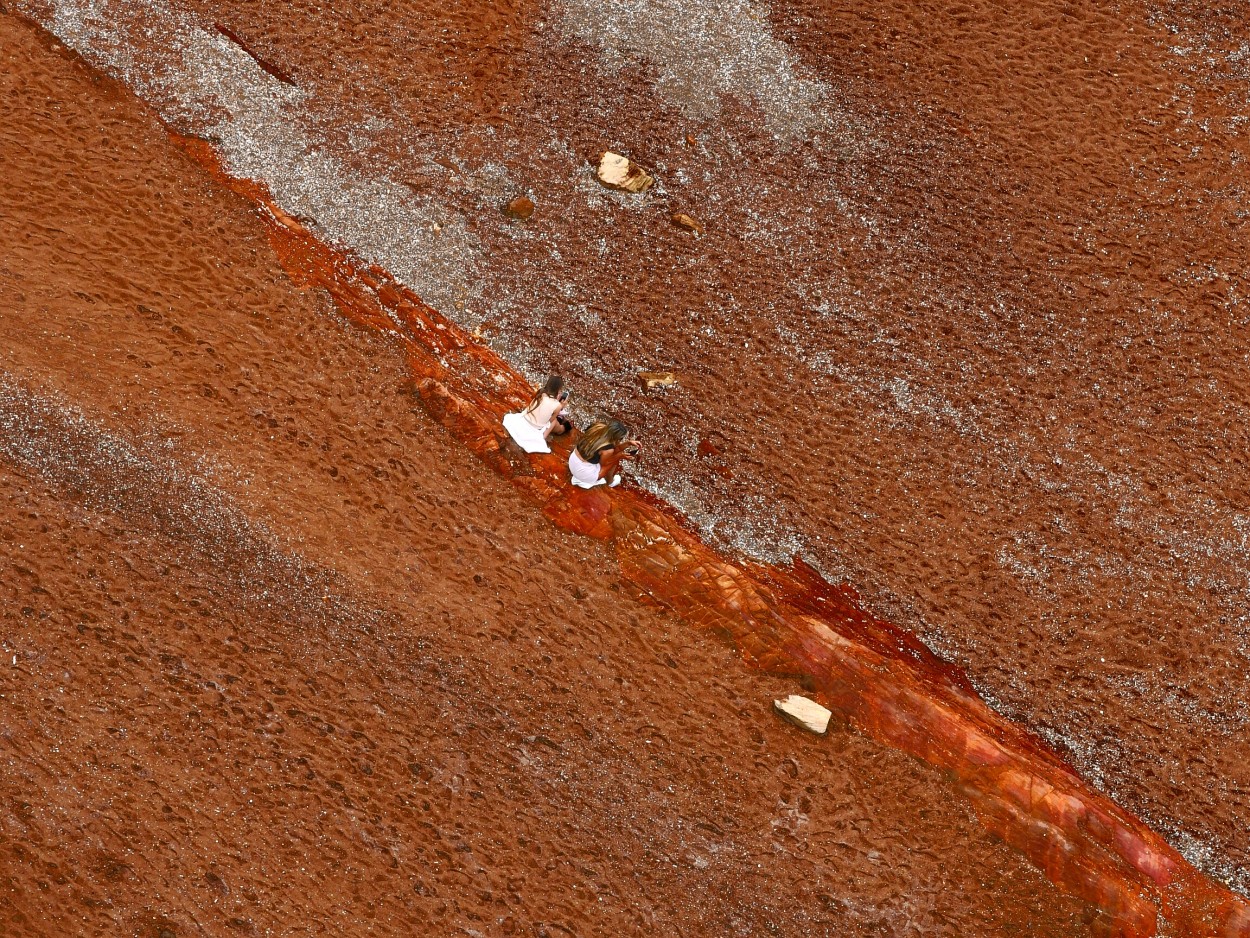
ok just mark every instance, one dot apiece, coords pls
pixel 586 474
pixel 527 436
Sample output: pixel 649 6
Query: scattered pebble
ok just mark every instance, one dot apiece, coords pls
pixel 684 221
pixel 520 208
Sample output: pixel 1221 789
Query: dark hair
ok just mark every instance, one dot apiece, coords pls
pixel 599 436
pixel 552 389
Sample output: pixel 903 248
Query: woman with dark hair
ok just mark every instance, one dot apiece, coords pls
pixel 542 417
pixel 599 452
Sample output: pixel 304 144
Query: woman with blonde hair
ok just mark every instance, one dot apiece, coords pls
pixel 599 452
pixel 541 419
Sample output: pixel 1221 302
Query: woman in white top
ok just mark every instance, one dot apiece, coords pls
pixel 542 418
pixel 599 452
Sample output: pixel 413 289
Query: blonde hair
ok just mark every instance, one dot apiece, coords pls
pixel 599 436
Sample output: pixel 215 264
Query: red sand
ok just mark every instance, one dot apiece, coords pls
pixel 1083 592
pixel 1028 446
pixel 887 683
pixel 476 732
pixel 1021 421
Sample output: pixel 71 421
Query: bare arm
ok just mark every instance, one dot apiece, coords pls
pixel 610 457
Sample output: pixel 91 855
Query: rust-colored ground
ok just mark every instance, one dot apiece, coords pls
pixel 983 356
pixel 281 658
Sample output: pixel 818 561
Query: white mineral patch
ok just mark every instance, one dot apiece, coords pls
pixel 703 52
pixel 68 451
pixel 204 85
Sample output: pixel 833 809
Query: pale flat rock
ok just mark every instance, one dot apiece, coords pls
pixel 657 379
pixel 805 713
pixel 620 172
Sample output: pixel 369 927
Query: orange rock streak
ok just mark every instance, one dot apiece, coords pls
pixel 879 677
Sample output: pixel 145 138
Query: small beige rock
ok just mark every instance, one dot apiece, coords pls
pixel 682 220
pixel 657 379
pixel 620 172
pixel 805 713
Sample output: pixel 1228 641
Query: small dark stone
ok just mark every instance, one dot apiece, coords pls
pixel 217 883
